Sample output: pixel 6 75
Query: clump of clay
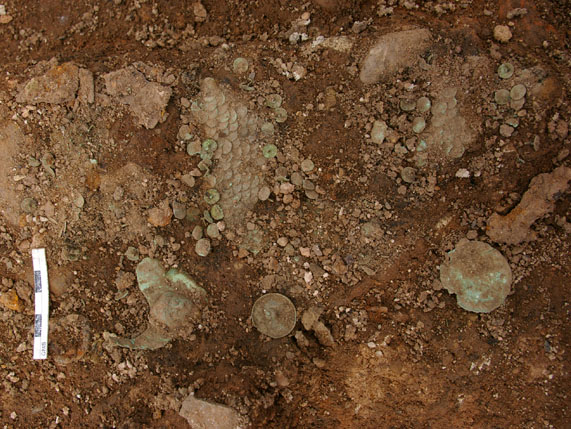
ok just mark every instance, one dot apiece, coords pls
pixel 147 100
pixel 310 321
pixel 175 302
pixel 203 415
pixel 57 85
pixel 538 200
pixel 478 274
pixel 392 52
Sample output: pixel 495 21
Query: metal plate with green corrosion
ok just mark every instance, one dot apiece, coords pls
pixel 478 274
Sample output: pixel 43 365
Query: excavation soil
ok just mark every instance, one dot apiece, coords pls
pixel 99 175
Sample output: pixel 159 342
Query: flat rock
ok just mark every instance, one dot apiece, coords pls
pixel 538 200
pixel 147 100
pixel 58 85
pixel 392 52
pixel 205 415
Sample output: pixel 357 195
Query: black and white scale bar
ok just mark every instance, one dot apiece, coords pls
pixel 42 303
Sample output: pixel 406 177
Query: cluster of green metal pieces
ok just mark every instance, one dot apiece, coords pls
pixel 175 302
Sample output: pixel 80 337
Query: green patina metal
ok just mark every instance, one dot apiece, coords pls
pixel 175 301
pixel 478 274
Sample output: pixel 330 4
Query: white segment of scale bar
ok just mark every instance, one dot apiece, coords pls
pixel 42 303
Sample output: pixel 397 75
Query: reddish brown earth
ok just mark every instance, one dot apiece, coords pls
pixel 405 355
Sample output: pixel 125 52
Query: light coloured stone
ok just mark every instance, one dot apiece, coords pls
pixel 379 132
pixel 147 100
pixel 206 415
pixel 502 33
pixel 58 85
pixel 392 52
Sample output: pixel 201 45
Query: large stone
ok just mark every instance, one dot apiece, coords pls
pixel 147 100
pixel 538 200
pixel 205 415
pixel 58 85
pixel 392 52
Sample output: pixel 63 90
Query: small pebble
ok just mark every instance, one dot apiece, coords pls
pixel 308 185
pixel 407 105
pixel 132 254
pixel 179 210
pixel 423 104
pixel 502 96
pixel 517 104
pixel 188 180
pixel 273 101
pixel 184 133
pixel 160 216
pixel 378 132
pixel 286 188
pixel 205 165
pixel 212 231
pixel 418 125
pixel 209 146
pixel 33 162
pixel 264 193
pixel 472 235
pixel 502 33
pixel 439 108
pixel 298 72
pixel 216 212
pixel 240 65
pixel 197 232
pixel 29 205
pixel 517 12
pixel 210 180
pixel 312 195
pixel 192 214
pixel 408 174
pixel 194 148
pixel 268 129
pixel 202 247
pixel 463 173
pixel 280 115
pixel 518 92
pixel 505 70
pixel 211 196
pixel 513 122
pixel 207 216
pixel 282 241
pixel 269 151
pixel 506 130
pixel 307 165
pixel 79 201
pixel 296 179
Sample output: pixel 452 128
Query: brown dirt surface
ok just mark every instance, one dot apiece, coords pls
pixel 352 227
